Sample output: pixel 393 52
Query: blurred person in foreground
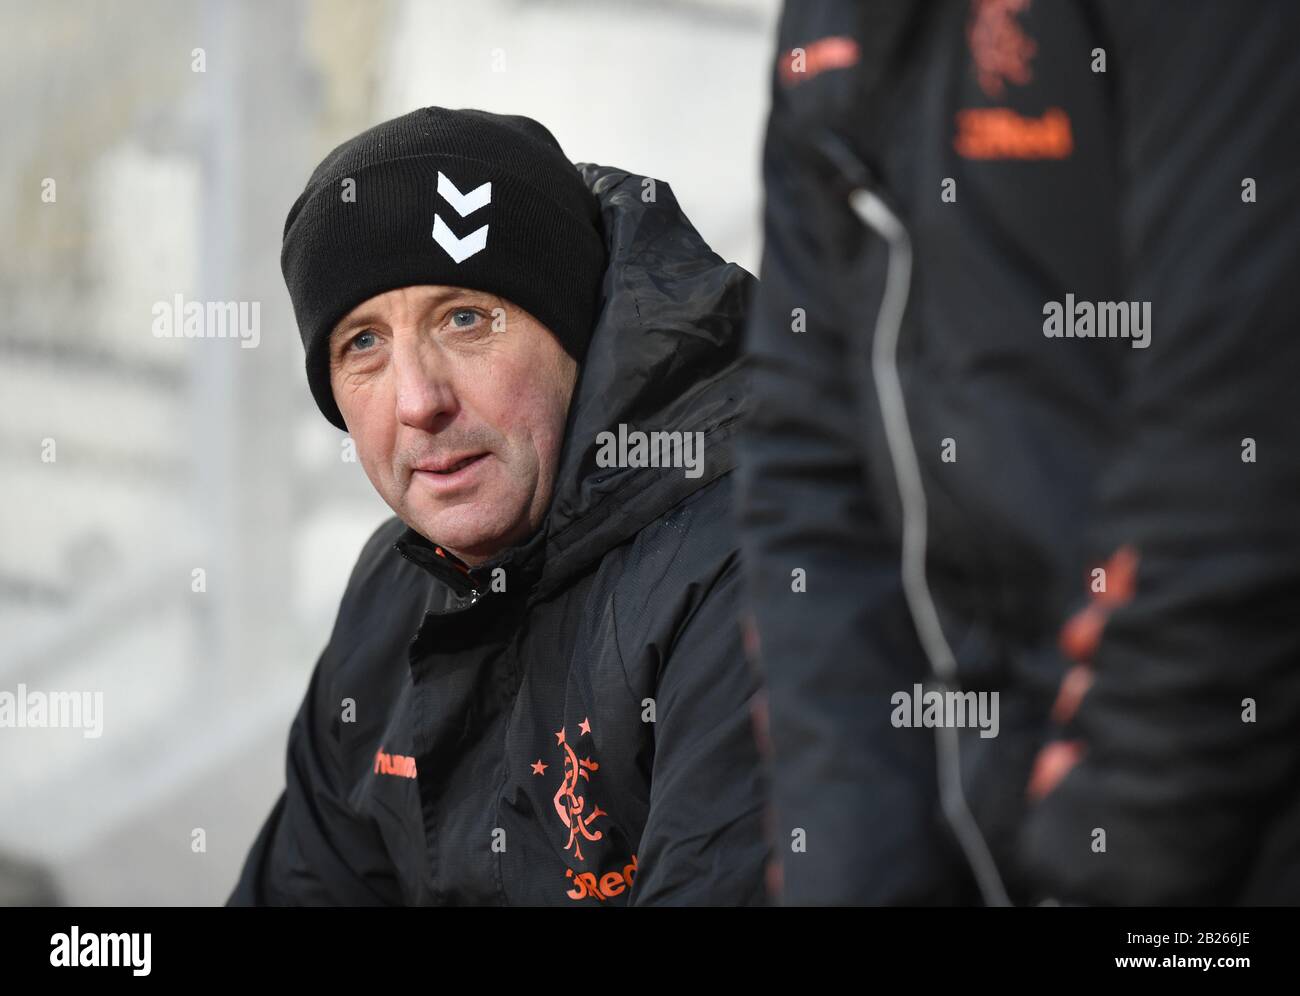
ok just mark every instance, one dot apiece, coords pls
pixel 535 691
pixel 1025 438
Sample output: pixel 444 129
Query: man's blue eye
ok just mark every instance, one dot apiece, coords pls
pixel 363 340
pixel 464 318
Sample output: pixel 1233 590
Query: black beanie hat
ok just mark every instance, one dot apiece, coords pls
pixel 461 198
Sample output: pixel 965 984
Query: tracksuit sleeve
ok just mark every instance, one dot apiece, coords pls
pixel 703 840
pixel 313 850
pixel 1183 746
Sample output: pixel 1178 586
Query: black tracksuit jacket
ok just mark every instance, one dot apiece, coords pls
pixel 584 736
pixel 947 476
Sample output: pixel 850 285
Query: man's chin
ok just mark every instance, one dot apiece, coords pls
pixel 464 531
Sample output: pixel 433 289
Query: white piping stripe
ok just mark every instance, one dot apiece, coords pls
pixel 876 215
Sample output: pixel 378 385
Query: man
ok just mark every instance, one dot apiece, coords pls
pixel 535 690
pixel 1030 445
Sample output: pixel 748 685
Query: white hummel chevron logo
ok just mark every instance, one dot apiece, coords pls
pixel 461 249
pixel 464 203
pixel 458 249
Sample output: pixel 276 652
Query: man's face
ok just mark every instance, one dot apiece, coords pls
pixel 456 401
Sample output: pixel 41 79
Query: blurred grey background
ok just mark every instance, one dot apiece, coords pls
pixel 172 455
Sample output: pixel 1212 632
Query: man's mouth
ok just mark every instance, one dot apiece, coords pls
pixel 451 473
pixel 448 465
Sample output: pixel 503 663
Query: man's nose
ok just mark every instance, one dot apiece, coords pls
pixel 425 397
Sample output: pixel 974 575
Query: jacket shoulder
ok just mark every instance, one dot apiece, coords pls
pixel 674 564
pixel 697 533
pixel 383 588
pixel 378 553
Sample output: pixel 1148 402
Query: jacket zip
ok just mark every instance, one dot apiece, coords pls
pixel 459 584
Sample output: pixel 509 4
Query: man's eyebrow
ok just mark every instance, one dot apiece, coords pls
pixel 368 317
pixel 355 321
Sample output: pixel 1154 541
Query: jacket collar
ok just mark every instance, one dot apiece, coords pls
pixel 522 564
